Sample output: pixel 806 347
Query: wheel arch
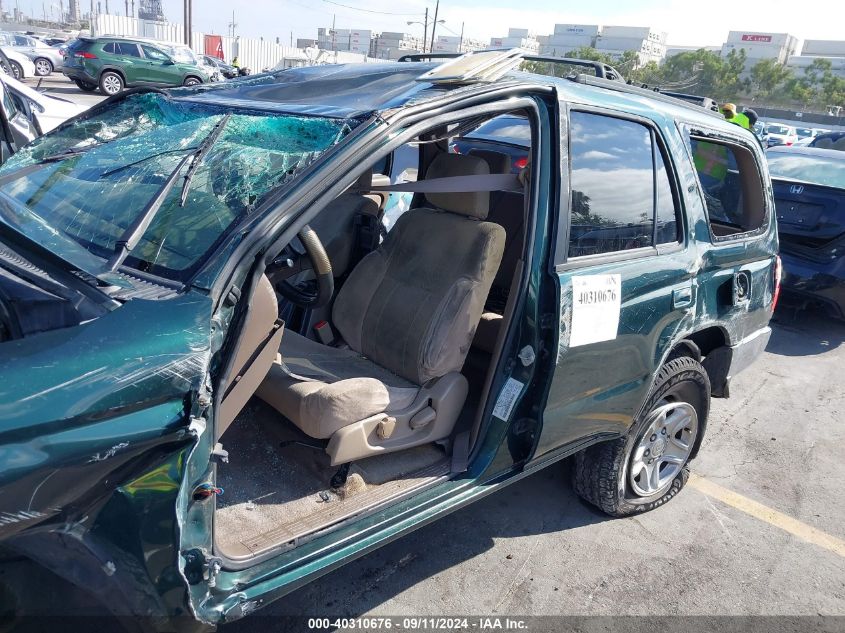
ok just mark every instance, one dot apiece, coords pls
pixel 191 76
pixel 115 70
pixel 711 347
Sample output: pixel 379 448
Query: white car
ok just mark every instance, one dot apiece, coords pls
pixel 20 66
pixel 45 110
pixel 45 57
pixel 778 134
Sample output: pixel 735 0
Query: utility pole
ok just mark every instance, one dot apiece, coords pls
pixel 425 29
pixel 126 7
pixel 107 7
pixel 461 43
pixel 232 24
pixel 434 26
pixel 334 46
pixel 188 18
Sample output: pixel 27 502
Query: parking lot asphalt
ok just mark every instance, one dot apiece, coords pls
pixel 60 86
pixel 759 529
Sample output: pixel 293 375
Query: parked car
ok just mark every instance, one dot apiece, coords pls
pixel 226 70
pixel 17 125
pixel 115 63
pixel 44 57
pixel 778 134
pixel 221 379
pixel 184 55
pixel 809 187
pixel 16 64
pixel 830 140
pixel 47 111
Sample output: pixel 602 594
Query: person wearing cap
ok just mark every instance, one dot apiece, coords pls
pixel 729 110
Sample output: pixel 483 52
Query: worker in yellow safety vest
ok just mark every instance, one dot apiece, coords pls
pixel 729 110
pixel 711 160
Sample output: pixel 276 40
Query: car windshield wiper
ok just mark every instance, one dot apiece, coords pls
pixel 198 156
pixel 134 232
pixel 43 162
pixel 145 159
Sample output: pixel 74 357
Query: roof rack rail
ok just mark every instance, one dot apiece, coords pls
pixel 602 70
pixel 676 98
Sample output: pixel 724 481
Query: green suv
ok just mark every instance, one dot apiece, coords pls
pixel 222 374
pixel 115 63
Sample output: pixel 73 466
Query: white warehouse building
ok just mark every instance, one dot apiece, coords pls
pixel 649 44
pixel 759 46
pixel 516 38
pixel 567 38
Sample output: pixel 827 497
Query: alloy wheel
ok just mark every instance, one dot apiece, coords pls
pixel 662 450
pixel 111 84
pixel 43 67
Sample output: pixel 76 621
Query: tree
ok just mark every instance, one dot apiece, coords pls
pixel 769 77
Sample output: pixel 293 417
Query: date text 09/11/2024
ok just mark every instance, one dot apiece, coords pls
pixel 419 624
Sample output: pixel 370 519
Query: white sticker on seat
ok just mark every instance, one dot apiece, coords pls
pixel 596 302
pixel 507 398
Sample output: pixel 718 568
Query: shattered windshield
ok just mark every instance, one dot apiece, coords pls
pixel 131 150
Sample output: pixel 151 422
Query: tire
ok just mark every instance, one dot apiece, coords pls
pixel 648 467
pixel 17 70
pixel 111 83
pixel 43 67
pixel 85 86
pixel 192 81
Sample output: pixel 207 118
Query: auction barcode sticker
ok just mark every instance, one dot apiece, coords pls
pixel 507 398
pixel 596 303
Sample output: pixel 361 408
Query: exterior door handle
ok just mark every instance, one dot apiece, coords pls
pixel 682 297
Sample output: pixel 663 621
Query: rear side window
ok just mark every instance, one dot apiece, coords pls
pixel 125 48
pixel 622 197
pixel 732 186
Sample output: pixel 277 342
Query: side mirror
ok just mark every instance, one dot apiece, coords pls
pixel 169 62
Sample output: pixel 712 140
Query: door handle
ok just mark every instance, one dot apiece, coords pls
pixel 682 297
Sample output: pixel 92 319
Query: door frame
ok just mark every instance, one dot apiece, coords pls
pixel 282 223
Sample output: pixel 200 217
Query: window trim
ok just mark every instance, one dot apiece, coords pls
pixel 709 135
pixel 582 261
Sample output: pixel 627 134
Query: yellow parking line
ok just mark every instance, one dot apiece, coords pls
pixel 772 517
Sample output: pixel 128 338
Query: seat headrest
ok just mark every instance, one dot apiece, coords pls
pixel 499 162
pixel 475 204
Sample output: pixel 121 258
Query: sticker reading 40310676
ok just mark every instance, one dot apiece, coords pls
pixel 596 302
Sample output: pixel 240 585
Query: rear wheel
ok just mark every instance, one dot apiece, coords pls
pixel 650 465
pixel 111 83
pixel 43 67
pixel 192 81
pixel 17 70
pixel 84 85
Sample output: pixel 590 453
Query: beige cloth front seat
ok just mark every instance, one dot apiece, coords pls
pixel 408 313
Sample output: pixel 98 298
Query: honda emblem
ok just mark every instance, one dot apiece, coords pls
pixel 796 189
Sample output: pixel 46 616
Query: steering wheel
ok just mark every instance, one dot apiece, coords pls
pixel 305 253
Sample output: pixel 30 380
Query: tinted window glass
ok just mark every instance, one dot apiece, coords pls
pixel 732 186
pixel 9 104
pixel 20 40
pixel 111 47
pixel 612 184
pixel 668 222
pixel 125 48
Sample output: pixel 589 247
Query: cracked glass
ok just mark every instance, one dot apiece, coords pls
pixel 131 150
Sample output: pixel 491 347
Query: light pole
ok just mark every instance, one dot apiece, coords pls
pixel 425 29
pixel 434 26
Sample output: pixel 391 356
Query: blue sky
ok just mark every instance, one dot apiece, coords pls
pixel 686 21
